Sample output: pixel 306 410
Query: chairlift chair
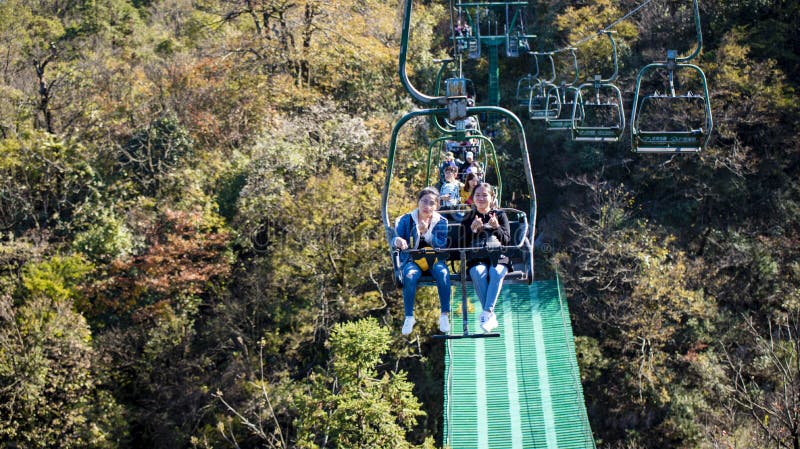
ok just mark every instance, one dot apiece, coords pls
pixel 520 250
pixel 522 232
pixel 661 140
pixel 601 117
pixel 565 96
pixel 538 100
pixel 601 109
pixel 483 151
pixel 688 139
pixel 567 111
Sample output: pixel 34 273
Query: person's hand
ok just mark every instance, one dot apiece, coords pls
pixel 446 197
pixel 493 223
pixel 400 243
pixel 477 224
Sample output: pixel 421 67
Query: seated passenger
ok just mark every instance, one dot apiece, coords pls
pixel 470 182
pixel 451 189
pixel 462 29
pixel 469 158
pixel 486 225
pixel 474 167
pixel 449 161
pixel 420 228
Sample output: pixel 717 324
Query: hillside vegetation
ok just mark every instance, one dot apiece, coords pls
pixel 191 252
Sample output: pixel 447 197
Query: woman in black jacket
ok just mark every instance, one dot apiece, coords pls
pixel 486 225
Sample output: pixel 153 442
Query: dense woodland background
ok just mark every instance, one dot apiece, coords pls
pixel 192 254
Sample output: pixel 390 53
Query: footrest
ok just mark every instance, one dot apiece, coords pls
pixel 461 336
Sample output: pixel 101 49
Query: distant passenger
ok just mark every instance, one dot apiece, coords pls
pixel 463 29
pixel 470 182
pixel 451 189
pixel 474 167
pixel 469 158
pixel 449 161
pixel 487 226
pixel 423 227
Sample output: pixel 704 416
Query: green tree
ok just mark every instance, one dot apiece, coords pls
pixel 44 179
pixel 352 405
pixel 155 151
pixel 49 392
pixel 636 296
pixel 765 379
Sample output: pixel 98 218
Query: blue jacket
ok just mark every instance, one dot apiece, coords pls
pixel 454 190
pixel 406 227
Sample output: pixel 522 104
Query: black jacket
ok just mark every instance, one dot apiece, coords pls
pixel 479 239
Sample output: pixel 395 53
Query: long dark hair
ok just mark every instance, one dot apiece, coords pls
pixel 469 177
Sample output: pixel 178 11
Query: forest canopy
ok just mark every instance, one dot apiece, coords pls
pixel 191 252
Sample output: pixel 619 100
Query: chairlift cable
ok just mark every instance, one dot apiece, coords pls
pixel 453 28
pixel 602 30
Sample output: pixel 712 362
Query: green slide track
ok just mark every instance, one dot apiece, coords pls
pixel 522 390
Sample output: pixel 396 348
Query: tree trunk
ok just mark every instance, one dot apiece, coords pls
pixel 44 94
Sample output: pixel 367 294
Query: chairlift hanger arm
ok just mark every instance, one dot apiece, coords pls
pixel 614 75
pixel 536 64
pixel 552 65
pixel 575 65
pixel 575 79
pixel 439 76
pixel 416 94
pixel 699 33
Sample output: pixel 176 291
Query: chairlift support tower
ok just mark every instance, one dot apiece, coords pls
pixel 490 36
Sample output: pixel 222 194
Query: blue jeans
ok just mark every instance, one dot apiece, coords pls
pixel 411 275
pixel 487 282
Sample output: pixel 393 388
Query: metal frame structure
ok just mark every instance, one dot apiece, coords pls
pixel 453 107
pixel 583 131
pixel 664 141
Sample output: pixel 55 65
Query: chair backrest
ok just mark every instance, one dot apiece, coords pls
pixel 518 232
pixel 455 238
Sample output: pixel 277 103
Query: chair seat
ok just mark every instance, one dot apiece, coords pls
pixel 690 141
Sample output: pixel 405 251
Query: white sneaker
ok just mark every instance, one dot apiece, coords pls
pixel 484 317
pixel 444 323
pixel 489 322
pixel 408 325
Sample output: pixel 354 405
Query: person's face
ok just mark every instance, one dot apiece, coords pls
pixel 427 204
pixel 473 181
pixel 449 175
pixel 482 198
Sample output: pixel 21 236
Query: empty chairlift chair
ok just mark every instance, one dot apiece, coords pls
pixel 540 107
pixel 689 123
pixel 525 87
pixel 567 99
pixel 600 107
pixel 672 122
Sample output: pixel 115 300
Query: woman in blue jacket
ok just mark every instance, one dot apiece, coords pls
pixel 420 228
